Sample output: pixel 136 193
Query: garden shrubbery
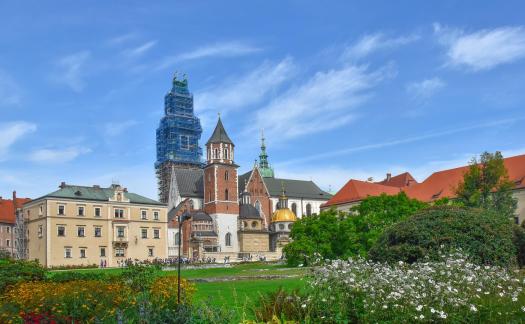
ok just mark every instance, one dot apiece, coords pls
pixel 484 236
pixel 13 271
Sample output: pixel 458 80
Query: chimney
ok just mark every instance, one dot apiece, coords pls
pixel 62 185
pixel 388 176
pixel 15 205
pixel 126 190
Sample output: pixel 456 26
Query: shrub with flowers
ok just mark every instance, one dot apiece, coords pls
pixel 452 289
pixel 91 301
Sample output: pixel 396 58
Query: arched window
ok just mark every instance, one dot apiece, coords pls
pixel 177 239
pixel 225 153
pixel 276 205
pixel 228 239
pixel 294 208
pixel 254 224
pixel 215 153
pixel 308 210
pixel 226 196
pixel 258 206
pixel 245 224
pixel 281 226
pixel 209 195
pixel 226 175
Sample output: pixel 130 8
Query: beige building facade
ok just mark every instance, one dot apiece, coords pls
pixel 79 225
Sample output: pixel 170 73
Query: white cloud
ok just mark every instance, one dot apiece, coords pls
pixel 72 72
pixel 395 142
pixel 375 42
pixel 12 132
pixel 425 89
pixel 58 155
pixel 484 49
pixel 140 50
pixel 122 38
pixel 116 128
pixel 224 49
pixel 325 101
pixel 247 90
pixel 9 90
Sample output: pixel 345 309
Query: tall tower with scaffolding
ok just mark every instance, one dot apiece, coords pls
pixel 178 136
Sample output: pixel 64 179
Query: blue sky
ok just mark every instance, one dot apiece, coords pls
pixel 343 90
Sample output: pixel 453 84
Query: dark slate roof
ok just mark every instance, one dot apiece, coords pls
pixel 219 135
pixel 190 182
pixel 201 216
pixel 294 188
pixel 97 194
pixel 204 233
pixel 248 212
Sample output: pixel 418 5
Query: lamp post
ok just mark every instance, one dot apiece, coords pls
pixel 182 218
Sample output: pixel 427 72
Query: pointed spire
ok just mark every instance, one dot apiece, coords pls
pixel 219 134
pixel 264 166
pixel 283 200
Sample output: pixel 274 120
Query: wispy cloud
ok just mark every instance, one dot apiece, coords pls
pixel 117 128
pixel 117 40
pixel 407 140
pixel 12 132
pixel 140 50
pixel 325 101
pixel 484 49
pixel 376 42
pixel 425 89
pixel 223 49
pixel 47 155
pixel 72 70
pixel 9 90
pixel 246 90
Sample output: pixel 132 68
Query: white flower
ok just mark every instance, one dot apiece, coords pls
pixel 385 306
pixel 419 307
pixel 473 308
pixel 421 316
pixel 303 305
pixel 432 310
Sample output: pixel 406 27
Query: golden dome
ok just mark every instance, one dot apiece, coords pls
pixel 283 215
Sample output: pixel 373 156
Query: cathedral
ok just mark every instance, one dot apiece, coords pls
pixel 232 216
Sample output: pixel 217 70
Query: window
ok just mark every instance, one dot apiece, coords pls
pixel 80 231
pixel 8 229
pixel 226 196
pixel 144 214
pixel 226 175
pixel 98 231
pixel 184 142
pixel 258 206
pixel 80 210
pixel 156 233
pixel 290 226
pixel 97 211
pixel 119 252
pixel 254 224
pixel 40 230
pixel 41 210
pixel 215 153
pixel 61 210
pixel 228 239
pixel 82 253
pixel 144 233
pixel 225 153
pixel 102 251
pixel 177 239
pixel 308 210
pixel 245 224
pixel 281 226
pixel 156 215
pixel 120 231
pixel 294 208
pixel 67 253
pixel 119 196
pixel 150 252
pixel 61 231
pixel 119 213
pixel 8 243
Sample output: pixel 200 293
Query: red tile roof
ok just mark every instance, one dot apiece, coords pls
pixel 400 180
pixel 438 185
pixel 7 209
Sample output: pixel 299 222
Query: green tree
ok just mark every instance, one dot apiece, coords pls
pixel 486 185
pixel 333 234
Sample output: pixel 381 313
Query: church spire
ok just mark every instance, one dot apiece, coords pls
pixel 264 166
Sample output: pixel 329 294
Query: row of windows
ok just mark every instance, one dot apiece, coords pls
pixel 119 252
pixel 7 229
pixel 215 154
pixel 97 231
pixel 7 243
pixel 118 212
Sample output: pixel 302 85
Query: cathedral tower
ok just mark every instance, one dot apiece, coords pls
pixel 178 136
pixel 264 166
pixel 221 187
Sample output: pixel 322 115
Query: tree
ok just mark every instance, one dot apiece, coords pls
pixel 332 234
pixel 486 185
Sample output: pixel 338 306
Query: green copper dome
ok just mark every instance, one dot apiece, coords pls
pixel 264 167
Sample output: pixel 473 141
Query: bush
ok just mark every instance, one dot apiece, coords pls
pixel 65 276
pixel 519 242
pixel 487 238
pixel 280 304
pixel 14 271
